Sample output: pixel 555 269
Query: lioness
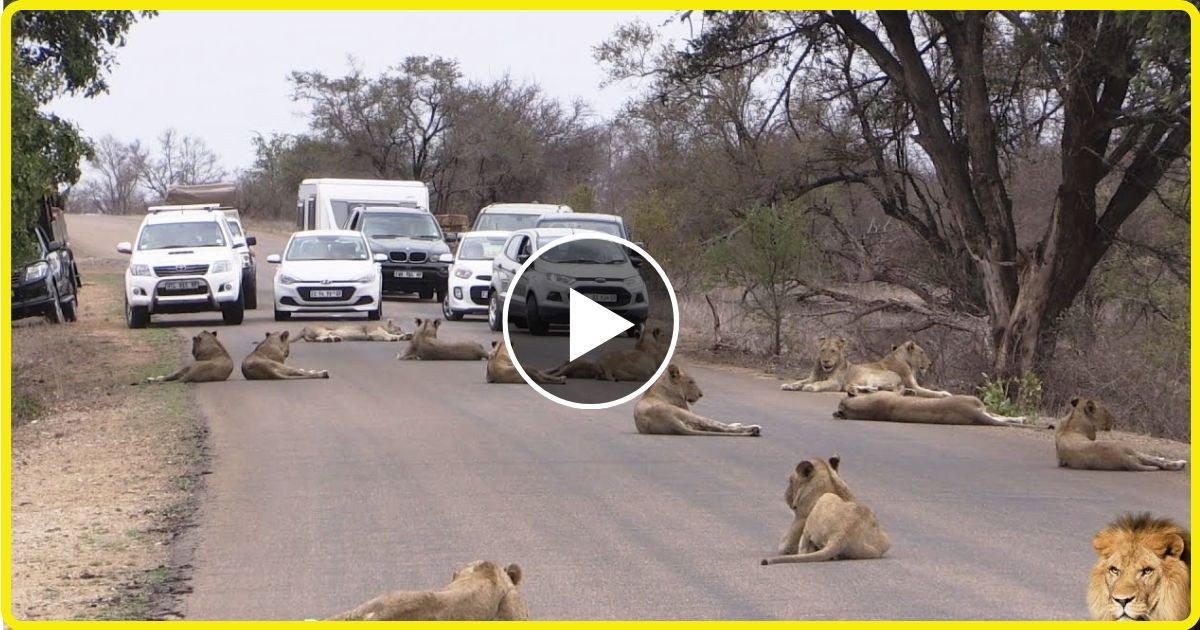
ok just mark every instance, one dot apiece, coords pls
pixel 828 523
pixel 831 363
pixel 1075 442
pixel 481 591
pixel 632 364
pixel 664 409
pixel 1141 573
pixel 426 346
pixel 266 362
pixel 897 369
pixel 500 369
pixel 211 362
pixel 387 331
pixel 893 407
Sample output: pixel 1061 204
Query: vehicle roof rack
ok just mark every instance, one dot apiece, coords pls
pixel 191 206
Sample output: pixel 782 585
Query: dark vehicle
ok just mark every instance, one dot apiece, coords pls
pixel 48 285
pixel 418 257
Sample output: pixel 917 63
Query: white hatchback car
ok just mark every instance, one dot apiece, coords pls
pixel 470 283
pixel 327 271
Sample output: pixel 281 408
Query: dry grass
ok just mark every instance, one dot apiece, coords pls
pixel 102 473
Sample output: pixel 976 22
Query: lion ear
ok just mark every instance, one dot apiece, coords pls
pixel 266 335
pixel 1105 542
pixel 214 333
pixel 1090 407
pixel 821 339
pixel 437 322
pixel 1171 545
pixel 417 320
pixel 391 322
pixel 841 342
pixel 804 468
pixel 835 461
pixel 283 336
pixel 894 348
pixel 1074 401
pixel 494 343
pixel 673 370
pixel 514 573
pixel 910 345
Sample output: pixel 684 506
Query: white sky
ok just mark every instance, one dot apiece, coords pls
pixel 222 76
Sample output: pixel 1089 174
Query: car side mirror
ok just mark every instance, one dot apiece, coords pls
pixel 124 247
pixel 53 246
pixel 250 240
pixel 274 259
pixel 380 257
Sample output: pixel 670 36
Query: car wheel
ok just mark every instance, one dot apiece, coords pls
pixel 282 316
pixel 234 312
pixel 375 314
pixel 440 295
pixel 495 314
pixel 250 290
pixel 55 314
pixel 537 327
pixel 425 295
pixel 136 316
pixel 70 312
pixel 450 313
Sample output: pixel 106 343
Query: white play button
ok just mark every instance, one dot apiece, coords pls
pixel 592 324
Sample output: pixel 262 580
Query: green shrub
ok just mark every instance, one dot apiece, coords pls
pixel 1012 396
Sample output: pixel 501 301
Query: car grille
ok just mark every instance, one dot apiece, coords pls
pixel 415 257
pixel 166 291
pixel 344 293
pixel 483 278
pixel 623 296
pixel 477 294
pixel 180 270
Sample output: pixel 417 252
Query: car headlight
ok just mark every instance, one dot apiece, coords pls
pixel 632 281
pixel 558 278
pixel 446 258
pixel 245 259
pixel 462 273
pixel 221 266
pixel 140 270
pixel 35 272
pixel 286 279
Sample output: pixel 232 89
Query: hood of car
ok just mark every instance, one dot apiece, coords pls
pixel 476 266
pixel 611 273
pixel 402 244
pixel 317 270
pixel 189 256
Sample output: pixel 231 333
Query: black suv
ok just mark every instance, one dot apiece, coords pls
pixel 418 257
pixel 48 285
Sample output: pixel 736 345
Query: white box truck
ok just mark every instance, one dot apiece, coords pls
pixel 326 204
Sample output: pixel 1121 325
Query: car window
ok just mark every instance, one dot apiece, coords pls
pixel 181 235
pixel 235 229
pixel 606 227
pixel 385 225
pixel 480 247
pixel 342 209
pixel 587 251
pixel 505 221
pixel 514 246
pixel 327 247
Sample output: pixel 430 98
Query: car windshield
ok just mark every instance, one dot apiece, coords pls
pixel 587 251
pixel 181 235
pixel 608 227
pixel 506 222
pixel 343 208
pixel 327 247
pixel 386 225
pixel 480 247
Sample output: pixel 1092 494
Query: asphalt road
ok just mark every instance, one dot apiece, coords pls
pixel 394 474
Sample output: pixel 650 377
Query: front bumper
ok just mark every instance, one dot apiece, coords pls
pixel 469 296
pixel 433 277
pixel 554 308
pixel 32 299
pixel 354 297
pixel 160 295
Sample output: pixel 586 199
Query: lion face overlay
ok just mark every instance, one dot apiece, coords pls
pixel 831 352
pixel 1141 573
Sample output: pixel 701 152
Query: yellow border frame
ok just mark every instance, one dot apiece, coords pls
pixel 527 5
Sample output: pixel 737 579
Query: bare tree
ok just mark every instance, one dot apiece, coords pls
pixel 114 186
pixel 181 159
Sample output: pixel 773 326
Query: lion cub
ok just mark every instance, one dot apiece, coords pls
pixel 266 362
pixel 481 591
pixel 665 409
pixel 1075 442
pixel 387 331
pixel 500 369
pixel 892 407
pixel 632 364
pixel 211 362
pixel 426 346
pixel 828 523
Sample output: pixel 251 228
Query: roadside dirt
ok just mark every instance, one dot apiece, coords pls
pixel 104 475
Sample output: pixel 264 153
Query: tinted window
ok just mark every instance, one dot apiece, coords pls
pixel 503 221
pixel 514 246
pixel 598 226
pixel 385 225
pixel 586 252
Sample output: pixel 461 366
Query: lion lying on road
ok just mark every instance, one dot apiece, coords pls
pixel 831 363
pixel 388 331
pixel 426 346
pixel 1142 571
pixel 481 591
pixel 632 364
pixel 211 362
pixel 896 370
pixel 500 369
pixel 267 361
pixel 828 523
pixel 1075 442
pixel 664 409
pixel 893 407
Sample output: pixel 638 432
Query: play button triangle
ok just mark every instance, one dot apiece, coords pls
pixel 592 324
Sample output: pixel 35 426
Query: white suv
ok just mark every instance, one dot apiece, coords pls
pixel 185 261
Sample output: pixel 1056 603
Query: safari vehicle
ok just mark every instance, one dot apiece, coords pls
pixel 183 261
pixel 514 216
pixel 326 203
pixel 49 284
pixel 225 195
pixel 418 259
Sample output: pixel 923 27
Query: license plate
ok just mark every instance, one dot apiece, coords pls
pixel 407 274
pixel 326 293
pixel 601 297
pixel 179 285
pixel 484 294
